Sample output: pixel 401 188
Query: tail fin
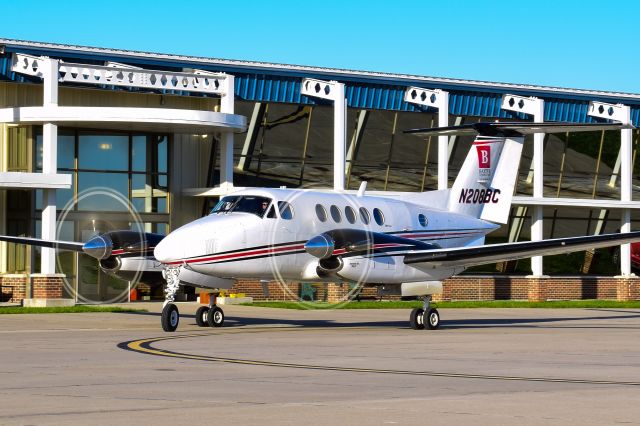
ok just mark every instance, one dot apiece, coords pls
pixel 484 186
pixel 485 183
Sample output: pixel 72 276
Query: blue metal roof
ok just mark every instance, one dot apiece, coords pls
pixel 365 90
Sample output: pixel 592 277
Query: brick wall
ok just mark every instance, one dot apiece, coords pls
pixel 472 288
pixel 46 286
pixel 14 288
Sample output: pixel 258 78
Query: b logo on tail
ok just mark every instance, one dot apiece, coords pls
pixel 484 163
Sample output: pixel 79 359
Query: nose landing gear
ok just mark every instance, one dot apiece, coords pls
pixel 170 314
pixel 426 315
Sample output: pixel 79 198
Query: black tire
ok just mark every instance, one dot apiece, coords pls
pixel 416 319
pixel 215 317
pixel 170 317
pixel 201 316
pixel 432 319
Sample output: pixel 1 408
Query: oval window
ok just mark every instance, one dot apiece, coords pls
pixel 364 216
pixel 321 213
pixel 422 219
pixel 286 211
pixel 378 216
pixel 350 214
pixel 335 214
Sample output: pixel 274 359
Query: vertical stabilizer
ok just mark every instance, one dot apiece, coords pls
pixel 485 183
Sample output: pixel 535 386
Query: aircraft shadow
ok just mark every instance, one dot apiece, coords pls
pixel 571 322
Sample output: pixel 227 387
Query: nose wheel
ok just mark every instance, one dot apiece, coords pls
pixel 426 316
pixel 170 317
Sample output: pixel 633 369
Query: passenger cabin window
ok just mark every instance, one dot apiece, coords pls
pixel 335 214
pixel 321 213
pixel 242 204
pixel 378 216
pixel 350 214
pixel 422 219
pixel 364 216
pixel 285 209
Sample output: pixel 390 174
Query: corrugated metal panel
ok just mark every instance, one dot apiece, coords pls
pixel 280 86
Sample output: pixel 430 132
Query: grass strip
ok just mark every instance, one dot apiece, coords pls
pixel 65 309
pixel 370 304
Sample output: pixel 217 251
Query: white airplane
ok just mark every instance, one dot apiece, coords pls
pixel 409 242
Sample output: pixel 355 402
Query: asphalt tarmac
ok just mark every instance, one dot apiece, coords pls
pixel 272 366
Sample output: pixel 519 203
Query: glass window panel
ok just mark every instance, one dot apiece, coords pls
pixel 335 214
pixel 163 147
pixel 118 182
pixel 139 154
pixel 161 204
pixel 364 216
pixel 378 216
pixel 63 196
pixel 162 182
pixel 66 151
pixel 103 152
pixel 350 214
pixel 321 213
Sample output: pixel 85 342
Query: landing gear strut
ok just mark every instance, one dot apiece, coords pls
pixel 170 314
pixel 211 315
pixel 426 315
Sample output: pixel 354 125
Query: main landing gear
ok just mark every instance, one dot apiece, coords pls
pixel 212 315
pixel 426 315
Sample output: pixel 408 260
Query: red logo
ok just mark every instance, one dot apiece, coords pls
pixel 484 156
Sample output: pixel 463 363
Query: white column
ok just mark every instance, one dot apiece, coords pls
pixel 443 141
pixel 49 165
pixel 226 149
pixel 4 144
pixel 625 194
pixel 537 227
pixel 339 137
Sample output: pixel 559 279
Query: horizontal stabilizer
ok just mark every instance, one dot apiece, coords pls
pixel 482 255
pixel 60 245
pixel 515 129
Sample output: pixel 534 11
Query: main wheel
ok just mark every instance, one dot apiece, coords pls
pixel 416 319
pixel 215 317
pixel 433 319
pixel 201 316
pixel 170 317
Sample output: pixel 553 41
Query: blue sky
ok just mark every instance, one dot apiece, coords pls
pixel 579 44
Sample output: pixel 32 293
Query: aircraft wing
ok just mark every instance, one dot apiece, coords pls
pixel 61 245
pixel 492 253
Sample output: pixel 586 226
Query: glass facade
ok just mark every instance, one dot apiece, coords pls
pixel 293 146
pixel 119 181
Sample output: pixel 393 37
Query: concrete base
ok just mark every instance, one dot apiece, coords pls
pixel 48 303
pixel 233 300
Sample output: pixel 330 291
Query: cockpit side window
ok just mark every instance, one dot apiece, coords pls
pixel 285 209
pixel 243 204
pixel 272 213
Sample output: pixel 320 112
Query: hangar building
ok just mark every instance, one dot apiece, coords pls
pixel 144 128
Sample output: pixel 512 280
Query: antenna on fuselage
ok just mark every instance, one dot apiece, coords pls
pixel 363 187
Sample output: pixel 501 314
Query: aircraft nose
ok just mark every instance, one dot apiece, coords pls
pixel 167 250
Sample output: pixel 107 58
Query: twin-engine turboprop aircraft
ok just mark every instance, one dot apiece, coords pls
pixel 409 242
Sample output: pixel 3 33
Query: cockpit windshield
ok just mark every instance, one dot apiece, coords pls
pixel 242 204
